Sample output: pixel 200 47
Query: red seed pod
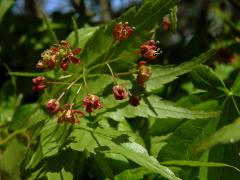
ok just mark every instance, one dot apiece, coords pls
pixel 134 100
pixel 166 23
pixel 92 102
pixel 120 92
pixel 122 31
pixel 53 105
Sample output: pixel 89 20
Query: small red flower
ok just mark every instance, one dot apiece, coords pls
pixel 166 23
pixel 149 49
pixel 69 116
pixel 53 105
pixel 122 31
pixel 134 100
pixel 120 92
pixel 39 83
pixel 143 74
pixel 92 102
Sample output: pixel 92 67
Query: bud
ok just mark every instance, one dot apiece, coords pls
pixel 120 92
pixel 39 83
pixel 53 105
pixel 38 80
pixel 64 65
pixel 166 23
pixel 143 74
pixel 92 102
pixel 122 31
pixel 39 87
pixel 134 100
pixel 149 49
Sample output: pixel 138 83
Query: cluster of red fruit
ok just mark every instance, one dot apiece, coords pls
pixel 62 55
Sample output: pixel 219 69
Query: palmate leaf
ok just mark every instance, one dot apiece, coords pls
pixel 229 134
pixel 102 140
pixel 153 106
pixel 164 74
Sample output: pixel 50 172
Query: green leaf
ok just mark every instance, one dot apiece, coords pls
pixel 198 164
pixel 236 86
pixel 120 145
pixel 228 153
pixel 168 125
pixel 205 78
pixel 164 74
pixel 134 174
pixel 173 18
pixel 153 106
pixel 84 34
pixel 27 115
pixel 103 165
pixel 4 7
pixel 229 134
pixel 12 160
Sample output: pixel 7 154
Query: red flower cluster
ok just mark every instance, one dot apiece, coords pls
pixel 66 113
pixel 149 49
pixel 92 102
pixel 39 83
pixel 122 31
pixel 61 54
pixel 58 54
